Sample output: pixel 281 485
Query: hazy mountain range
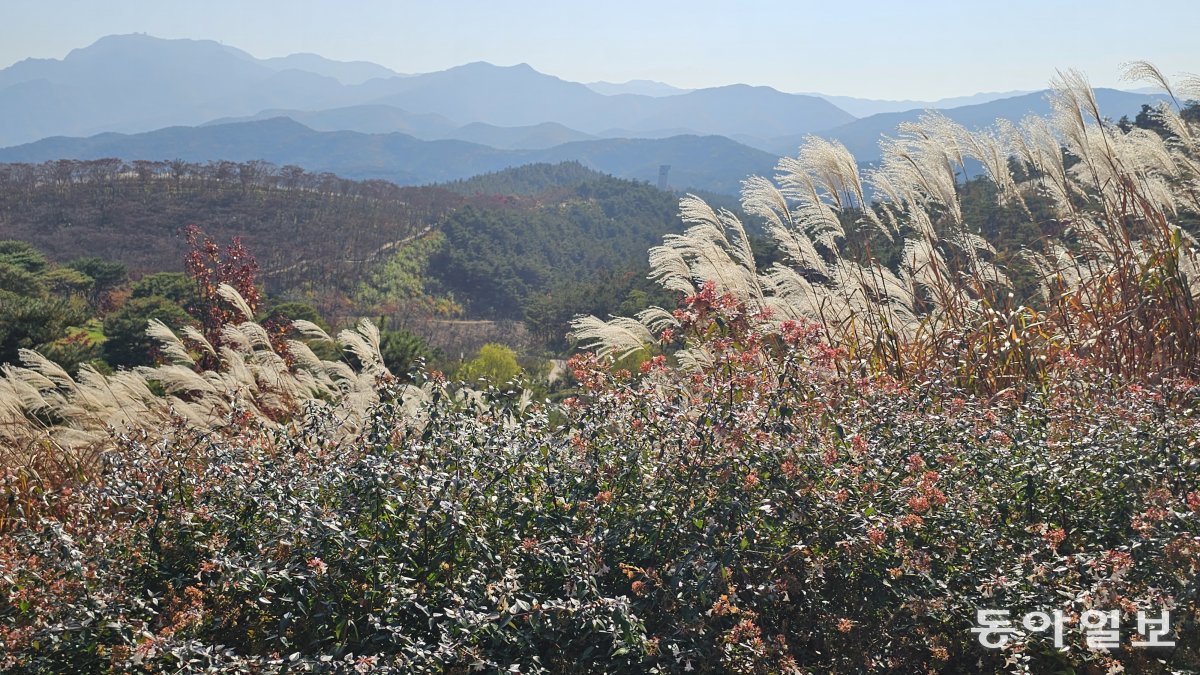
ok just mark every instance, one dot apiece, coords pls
pixel 713 163
pixel 432 126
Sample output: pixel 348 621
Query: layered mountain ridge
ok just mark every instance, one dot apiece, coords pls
pixel 199 100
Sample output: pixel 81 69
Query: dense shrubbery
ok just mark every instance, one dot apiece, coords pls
pixel 761 515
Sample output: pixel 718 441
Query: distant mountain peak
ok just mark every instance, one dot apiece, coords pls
pixel 638 87
pixel 738 86
pixel 346 72
pixel 489 67
pixel 479 65
pixel 110 43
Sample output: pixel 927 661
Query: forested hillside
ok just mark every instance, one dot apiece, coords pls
pixel 537 244
pixel 499 256
pixel 305 229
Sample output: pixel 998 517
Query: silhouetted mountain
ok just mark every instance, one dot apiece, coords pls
pixel 386 119
pixel 640 87
pixel 367 119
pixel 346 72
pixel 862 136
pixel 863 107
pixel 741 109
pixel 713 163
pixel 515 96
pixel 536 137
pixel 710 163
pixel 135 83
pixel 648 133
pixel 502 95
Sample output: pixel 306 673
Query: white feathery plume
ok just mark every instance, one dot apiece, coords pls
pixel 1183 134
pixel 884 284
pixel 271 372
pixel 236 374
pixel 708 251
pixel 991 150
pixel 48 369
pixel 363 342
pixel 670 270
pixel 1189 86
pixel 1074 87
pixel 694 359
pixel 708 260
pixel 311 330
pixel 617 337
pixel 923 263
pixel 818 218
pixel 926 155
pixel 1043 269
pixel 971 242
pixel 657 319
pixel 127 387
pixel 24 395
pixel 256 335
pixel 1144 71
pixel 193 334
pixel 232 337
pixel 32 378
pixel 1038 146
pixel 340 373
pixel 176 379
pixel 69 437
pixel 761 198
pixel 1189 258
pixel 304 356
pixel 846 282
pixel 740 250
pixel 835 168
pixel 989 273
pixel 307 382
pixel 782 309
pixel 793 292
pixel 231 295
pixel 169 344
pixel 1159 194
pixel 370 333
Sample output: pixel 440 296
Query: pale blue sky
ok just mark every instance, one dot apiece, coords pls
pixel 916 49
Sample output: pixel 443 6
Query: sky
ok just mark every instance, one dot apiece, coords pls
pixel 889 49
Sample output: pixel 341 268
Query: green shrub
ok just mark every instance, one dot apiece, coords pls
pixel 494 363
pixel 127 343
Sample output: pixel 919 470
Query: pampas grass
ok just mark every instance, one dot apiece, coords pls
pixel 43 408
pixel 1120 266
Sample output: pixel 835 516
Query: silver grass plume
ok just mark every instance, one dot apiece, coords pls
pixel 657 319
pixel 169 344
pixel 760 197
pixel 193 334
pixel 618 337
pixel 231 295
pixel 311 330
